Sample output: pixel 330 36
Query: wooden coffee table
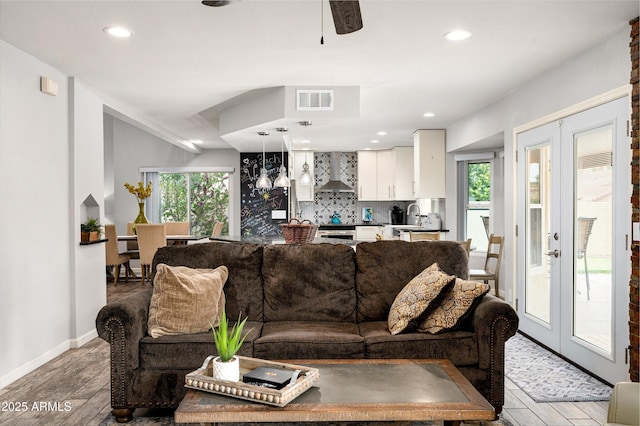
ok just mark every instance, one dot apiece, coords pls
pixel 356 390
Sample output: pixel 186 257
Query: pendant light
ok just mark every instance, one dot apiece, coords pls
pixel 305 178
pixel 263 181
pixel 282 181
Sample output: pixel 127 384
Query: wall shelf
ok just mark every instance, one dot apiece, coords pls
pixel 88 243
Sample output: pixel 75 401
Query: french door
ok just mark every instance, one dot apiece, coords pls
pixel 573 221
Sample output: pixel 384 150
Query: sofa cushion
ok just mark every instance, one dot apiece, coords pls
pixel 309 340
pixel 385 267
pixel 188 351
pixel 309 282
pixel 185 300
pixel 458 346
pixel 418 298
pixel 455 307
pixel 243 290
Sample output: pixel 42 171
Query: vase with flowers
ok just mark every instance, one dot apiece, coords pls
pixel 141 193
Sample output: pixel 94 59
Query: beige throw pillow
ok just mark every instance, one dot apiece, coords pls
pixel 186 300
pixel 455 307
pixel 418 298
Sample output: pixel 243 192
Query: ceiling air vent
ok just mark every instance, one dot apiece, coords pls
pixel 314 100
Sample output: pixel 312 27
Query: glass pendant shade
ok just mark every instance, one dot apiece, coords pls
pixel 305 177
pixel 263 181
pixel 282 180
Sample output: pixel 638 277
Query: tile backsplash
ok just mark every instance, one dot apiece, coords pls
pixel 346 204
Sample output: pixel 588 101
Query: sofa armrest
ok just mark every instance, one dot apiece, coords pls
pixel 494 322
pixel 123 324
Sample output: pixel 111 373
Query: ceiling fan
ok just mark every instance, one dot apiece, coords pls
pixel 346 13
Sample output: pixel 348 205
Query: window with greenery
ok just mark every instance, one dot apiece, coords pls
pixel 478 201
pixel 200 198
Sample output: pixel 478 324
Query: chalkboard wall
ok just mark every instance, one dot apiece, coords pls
pixel 261 211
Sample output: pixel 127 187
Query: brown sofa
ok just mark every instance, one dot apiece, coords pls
pixel 309 301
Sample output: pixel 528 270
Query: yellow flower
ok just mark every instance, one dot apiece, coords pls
pixel 140 191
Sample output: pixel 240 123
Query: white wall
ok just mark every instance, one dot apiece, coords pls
pixel 603 68
pixel 88 290
pixel 50 288
pixel 132 148
pixel 34 222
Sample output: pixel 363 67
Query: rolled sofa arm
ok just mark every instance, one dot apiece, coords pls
pixel 123 324
pixel 494 322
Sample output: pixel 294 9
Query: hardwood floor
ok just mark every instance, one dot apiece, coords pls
pixel 73 389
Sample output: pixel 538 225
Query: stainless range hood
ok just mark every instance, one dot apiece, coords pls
pixel 334 184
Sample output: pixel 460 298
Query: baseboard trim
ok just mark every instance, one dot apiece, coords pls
pixel 80 341
pixel 37 362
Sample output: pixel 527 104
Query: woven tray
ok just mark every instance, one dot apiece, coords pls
pixel 298 232
pixel 202 379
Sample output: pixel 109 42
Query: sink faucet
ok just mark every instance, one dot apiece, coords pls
pixel 419 222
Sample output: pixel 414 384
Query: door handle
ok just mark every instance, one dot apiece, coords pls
pixel 554 253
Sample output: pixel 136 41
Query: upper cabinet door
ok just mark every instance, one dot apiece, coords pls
pixel 429 163
pixel 386 167
pixel 403 179
pixel 367 176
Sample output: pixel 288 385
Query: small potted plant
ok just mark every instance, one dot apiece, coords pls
pixel 90 230
pixel 226 366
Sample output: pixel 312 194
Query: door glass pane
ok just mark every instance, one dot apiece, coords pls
pixel 478 203
pixel 538 271
pixel 200 198
pixel 593 243
pixel 209 199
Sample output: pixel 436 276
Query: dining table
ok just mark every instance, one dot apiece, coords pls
pixel 184 239
pixel 173 238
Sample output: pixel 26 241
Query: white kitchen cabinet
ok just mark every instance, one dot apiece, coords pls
pixel 386 168
pixel 429 163
pixel 368 233
pixel 367 176
pixel 385 175
pixel 403 173
pixel 303 192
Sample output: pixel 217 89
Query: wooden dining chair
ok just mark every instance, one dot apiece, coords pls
pixel 113 258
pixel 150 239
pixel 217 229
pixel 132 246
pixel 424 236
pixel 491 269
pixel 177 228
pixel 466 245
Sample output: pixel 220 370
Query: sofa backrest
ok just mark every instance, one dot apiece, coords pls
pixel 309 282
pixel 385 267
pixel 243 289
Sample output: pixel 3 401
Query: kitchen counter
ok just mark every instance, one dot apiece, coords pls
pixel 277 239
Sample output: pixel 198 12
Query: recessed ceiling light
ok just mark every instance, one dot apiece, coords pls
pixel 382 133
pixel 375 141
pixel 116 31
pixel 428 114
pixel 457 35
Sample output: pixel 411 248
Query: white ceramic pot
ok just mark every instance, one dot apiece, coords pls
pixel 229 370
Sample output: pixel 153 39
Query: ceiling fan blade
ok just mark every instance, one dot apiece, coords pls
pixel 218 3
pixel 346 15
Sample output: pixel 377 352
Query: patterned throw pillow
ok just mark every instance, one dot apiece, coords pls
pixel 418 298
pixel 186 300
pixel 455 307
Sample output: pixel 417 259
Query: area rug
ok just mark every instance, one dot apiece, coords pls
pixel 168 421
pixel 546 377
